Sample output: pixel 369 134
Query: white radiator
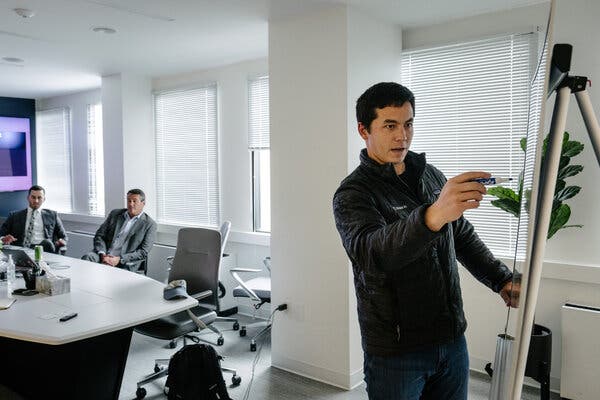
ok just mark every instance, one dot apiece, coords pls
pixel 580 368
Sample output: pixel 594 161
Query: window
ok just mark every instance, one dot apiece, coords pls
pixel 258 143
pixel 186 156
pixel 95 160
pixel 472 108
pixel 53 147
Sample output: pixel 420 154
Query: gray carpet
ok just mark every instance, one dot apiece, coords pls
pixel 268 382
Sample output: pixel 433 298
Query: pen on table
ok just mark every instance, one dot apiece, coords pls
pixel 67 317
pixel 492 180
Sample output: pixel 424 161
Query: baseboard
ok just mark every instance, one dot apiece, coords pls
pixel 478 365
pixel 343 381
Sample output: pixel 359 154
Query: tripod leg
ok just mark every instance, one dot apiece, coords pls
pixel 589 118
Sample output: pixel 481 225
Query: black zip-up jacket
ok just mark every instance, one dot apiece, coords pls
pixel 406 276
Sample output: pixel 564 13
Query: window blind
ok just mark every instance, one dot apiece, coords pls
pixel 258 113
pixel 53 148
pixel 472 108
pixel 95 160
pixel 186 156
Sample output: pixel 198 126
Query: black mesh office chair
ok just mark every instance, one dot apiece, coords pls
pixel 258 290
pixel 197 259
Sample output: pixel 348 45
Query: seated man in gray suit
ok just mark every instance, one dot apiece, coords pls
pixel 34 225
pixel 126 236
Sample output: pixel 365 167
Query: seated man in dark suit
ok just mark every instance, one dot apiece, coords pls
pixel 34 225
pixel 126 236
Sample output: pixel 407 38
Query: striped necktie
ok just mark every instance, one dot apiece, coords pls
pixel 29 231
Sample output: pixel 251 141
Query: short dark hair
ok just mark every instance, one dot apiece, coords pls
pixel 139 192
pixel 380 95
pixel 36 187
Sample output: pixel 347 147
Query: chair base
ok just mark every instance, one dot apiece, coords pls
pixel 264 330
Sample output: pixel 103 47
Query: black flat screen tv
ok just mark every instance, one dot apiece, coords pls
pixel 15 154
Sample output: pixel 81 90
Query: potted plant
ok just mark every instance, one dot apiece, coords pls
pixel 510 201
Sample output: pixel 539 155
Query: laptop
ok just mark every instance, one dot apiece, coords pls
pixel 21 259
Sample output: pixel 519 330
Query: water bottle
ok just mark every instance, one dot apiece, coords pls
pixel 10 276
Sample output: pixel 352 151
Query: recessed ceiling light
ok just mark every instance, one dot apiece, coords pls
pixel 24 12
pixel 13 59
pixel 104 29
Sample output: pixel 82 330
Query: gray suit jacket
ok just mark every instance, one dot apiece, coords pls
pixel 15 225
pixel 138 242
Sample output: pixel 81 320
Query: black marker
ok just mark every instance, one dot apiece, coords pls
pixel 67 317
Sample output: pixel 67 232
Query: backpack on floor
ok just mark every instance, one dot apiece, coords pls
pixel 195 374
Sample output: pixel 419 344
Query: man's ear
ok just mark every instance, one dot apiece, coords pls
pixel 363 131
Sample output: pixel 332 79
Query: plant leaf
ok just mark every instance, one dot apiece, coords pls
pixel 567 193
pixel 559 217
pixel 572 148
pixel 560 185
pixel 523 143
pixel 503 193
pixel 569 170
pixel 508 205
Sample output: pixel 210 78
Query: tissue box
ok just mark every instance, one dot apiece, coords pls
pixel 53 286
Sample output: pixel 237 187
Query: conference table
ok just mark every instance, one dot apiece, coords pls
pixel 84 357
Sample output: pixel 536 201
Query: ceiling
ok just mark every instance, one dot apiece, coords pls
pixel 62 54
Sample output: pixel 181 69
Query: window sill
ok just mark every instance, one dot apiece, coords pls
pixel 563 271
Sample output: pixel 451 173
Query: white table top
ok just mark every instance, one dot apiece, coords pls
pixel 106 299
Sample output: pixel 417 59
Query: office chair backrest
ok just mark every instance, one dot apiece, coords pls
pixel 197 260
pixel 225 228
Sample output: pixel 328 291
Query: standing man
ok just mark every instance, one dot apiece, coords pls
pixel 401 223
pixel 34 225
pixel 126 237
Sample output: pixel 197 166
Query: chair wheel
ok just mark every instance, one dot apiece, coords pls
pixel 236 326
pixel 156 368
pixel 252 346
pixel 140 393
pixel 220 341
pixel 172 344
pixel 243 331
pixel 236 380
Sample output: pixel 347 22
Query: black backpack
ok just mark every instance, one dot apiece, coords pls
pixel 195 374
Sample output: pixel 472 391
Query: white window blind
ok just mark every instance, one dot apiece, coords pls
pixel 258 113
pixel 472 103
pixel 95 160
pixel 186 156
pixel 53 147
pixel 259 144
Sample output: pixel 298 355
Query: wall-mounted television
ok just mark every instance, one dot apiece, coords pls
pixel 15 154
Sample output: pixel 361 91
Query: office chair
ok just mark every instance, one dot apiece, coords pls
pixel 224 229
pixel 258 290
pixel 196 261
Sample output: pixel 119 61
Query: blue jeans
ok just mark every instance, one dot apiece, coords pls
pixel 437 372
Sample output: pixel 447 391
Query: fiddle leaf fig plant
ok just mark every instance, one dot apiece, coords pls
pixel 510 201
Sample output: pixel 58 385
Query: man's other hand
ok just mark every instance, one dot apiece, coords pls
pixel 510 294
pixel 113 261
pixel 459 194
pixel 8 239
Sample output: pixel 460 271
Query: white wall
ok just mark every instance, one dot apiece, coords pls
pixel 313 145
pixel 572 267
pixel 77 103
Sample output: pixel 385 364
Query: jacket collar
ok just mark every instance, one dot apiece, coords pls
pixel 414 160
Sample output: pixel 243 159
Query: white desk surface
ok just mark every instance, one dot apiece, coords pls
pixel 106 299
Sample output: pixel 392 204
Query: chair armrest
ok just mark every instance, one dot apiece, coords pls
pixel 244 270
pixel 202 295
pixel 250 292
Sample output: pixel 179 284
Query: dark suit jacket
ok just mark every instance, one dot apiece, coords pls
pixel 137 244
pixel 15 225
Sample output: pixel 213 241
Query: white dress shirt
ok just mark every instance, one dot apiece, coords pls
pixel 38 225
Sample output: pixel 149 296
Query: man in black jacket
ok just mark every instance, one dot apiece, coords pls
pixel 401 223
